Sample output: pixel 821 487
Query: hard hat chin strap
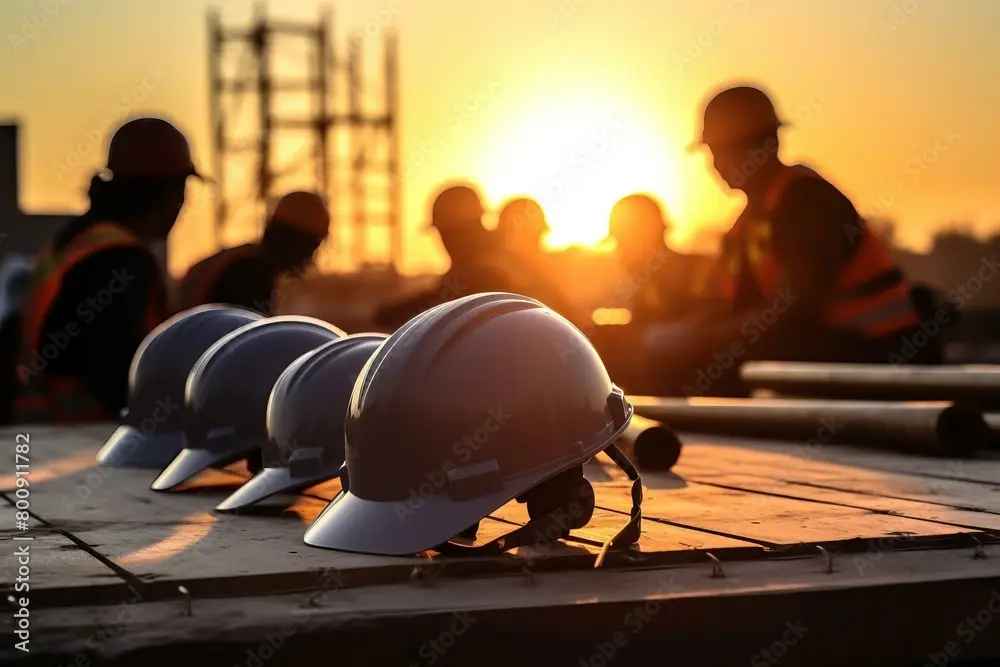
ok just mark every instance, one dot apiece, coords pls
pixel 631 531
pixel 556 525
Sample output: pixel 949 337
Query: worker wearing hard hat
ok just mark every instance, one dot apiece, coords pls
pixel 247 275
pixel 476 265
pixel 521 228
pixel 658 284
pixel 802 276
pixel 97 289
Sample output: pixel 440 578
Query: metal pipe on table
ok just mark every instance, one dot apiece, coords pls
pixel 650 445
pixel 927 428
pixel 993 422
pixel 978 384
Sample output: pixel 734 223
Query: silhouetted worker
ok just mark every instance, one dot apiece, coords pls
pixel 97 290
pixel 248 275
pixel 660 285
pixel 521 226
pixel 457 215
pixel 803 276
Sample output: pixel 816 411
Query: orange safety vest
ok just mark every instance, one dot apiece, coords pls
pixel 196 288
pixel 871 297
pixel 43 397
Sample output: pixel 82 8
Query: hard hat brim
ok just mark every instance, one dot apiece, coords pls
pixel 269 482
pixel 191 461
pixel 405 527
pixel 128 447
pixel 698 144
pixel 402 528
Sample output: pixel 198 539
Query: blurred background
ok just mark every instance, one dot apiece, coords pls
pixel 573 102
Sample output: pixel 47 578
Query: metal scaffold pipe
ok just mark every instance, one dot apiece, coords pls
pixel 927 428
pixel 650 445
pixel 979 384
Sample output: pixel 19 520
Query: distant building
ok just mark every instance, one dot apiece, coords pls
pixel 22 233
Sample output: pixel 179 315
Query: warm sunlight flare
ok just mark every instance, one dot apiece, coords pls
pixel 611 316
pixel 577 159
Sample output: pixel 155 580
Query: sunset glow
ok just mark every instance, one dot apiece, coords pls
pixel 577 159
pixel 510 96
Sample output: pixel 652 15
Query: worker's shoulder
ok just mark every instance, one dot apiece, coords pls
pixel 244 260
pixel 815 199
pixel 113 263
pixel 813 190
pixel 120 270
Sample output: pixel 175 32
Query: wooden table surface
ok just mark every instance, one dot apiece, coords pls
pixel 747 539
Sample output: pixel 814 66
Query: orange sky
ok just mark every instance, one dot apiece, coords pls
pixel 576 101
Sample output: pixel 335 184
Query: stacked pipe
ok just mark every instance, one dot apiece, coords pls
pixel 928 428
pixel 977 385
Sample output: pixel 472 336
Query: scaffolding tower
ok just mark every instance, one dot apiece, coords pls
pixel 354 152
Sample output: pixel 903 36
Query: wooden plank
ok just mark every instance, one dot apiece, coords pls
pixel 565 618
pixel 603 526
pixel 176 535
pixel 764 519
pixel 53 559
pixel 52 451
pixel 706 461
pixel 170 538
pixel 912 509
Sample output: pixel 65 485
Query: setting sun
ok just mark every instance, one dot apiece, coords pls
pixel 577 159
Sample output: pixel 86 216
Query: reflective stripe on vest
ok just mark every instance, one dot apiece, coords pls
pixel 47 398
pixel 196 287
pixel 871 295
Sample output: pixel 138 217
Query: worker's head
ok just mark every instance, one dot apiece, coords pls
pixel 295 229
pixel 740 128
pixel 457 215
pixel 637 225
pixel 521 226
pixel 149 162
